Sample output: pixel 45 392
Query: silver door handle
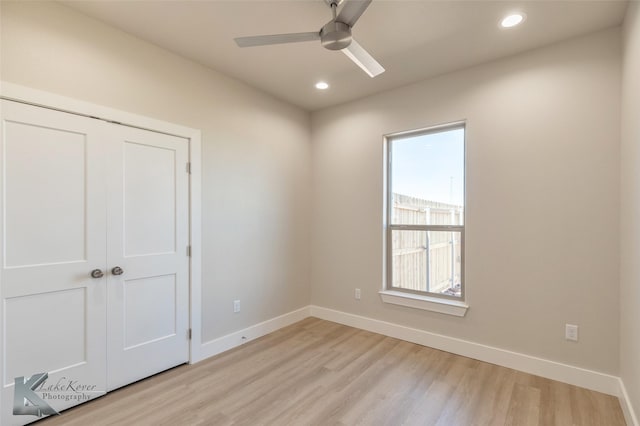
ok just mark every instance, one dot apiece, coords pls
pixel 117 270
pixel 97 273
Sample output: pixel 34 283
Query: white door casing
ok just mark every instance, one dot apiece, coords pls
pixel 82 194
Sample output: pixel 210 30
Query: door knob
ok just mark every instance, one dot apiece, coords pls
pixel 117 270
pixel 97 273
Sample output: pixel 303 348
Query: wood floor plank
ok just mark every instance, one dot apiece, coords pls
pixel 524 406
pixel 316 372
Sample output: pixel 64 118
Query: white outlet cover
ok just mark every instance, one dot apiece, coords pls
pixel 571 332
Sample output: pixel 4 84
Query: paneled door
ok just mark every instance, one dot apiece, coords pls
pixel 94 269
pixel 53 236
pixel 147 298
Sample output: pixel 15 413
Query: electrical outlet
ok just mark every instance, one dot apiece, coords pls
pixel 571 332
pixel 236 306
pixel 357 294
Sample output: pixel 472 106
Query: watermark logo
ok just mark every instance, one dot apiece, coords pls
pixel 25 401
pixel 33 395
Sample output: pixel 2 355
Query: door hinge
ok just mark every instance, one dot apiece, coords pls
pixel 188 251
pixel 189 168
pixel 189 334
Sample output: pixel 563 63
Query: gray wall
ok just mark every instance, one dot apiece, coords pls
pixel 543 135
pixel 630 209
pixel 255 150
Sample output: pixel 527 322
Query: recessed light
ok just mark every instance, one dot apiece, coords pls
pixel 512 20
pixel 321 85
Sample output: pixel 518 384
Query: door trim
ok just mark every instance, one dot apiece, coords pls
pixel 15 92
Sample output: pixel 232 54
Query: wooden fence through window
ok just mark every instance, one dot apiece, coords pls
pixel 426 260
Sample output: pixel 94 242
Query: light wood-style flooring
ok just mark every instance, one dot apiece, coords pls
pixel 317 372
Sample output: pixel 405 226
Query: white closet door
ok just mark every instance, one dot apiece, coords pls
pixel 148 304
pixel 53 236
pixel 78 195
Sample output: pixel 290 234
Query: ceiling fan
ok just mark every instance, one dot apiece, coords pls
pixel 334 35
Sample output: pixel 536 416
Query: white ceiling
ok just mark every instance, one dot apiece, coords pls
pixel 413 40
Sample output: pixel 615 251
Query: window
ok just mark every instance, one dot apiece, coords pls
pixel 425 192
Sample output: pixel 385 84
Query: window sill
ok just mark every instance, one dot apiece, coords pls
pixel 427 303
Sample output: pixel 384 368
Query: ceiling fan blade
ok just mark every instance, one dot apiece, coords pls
pixel 363 59
pixel 264 40
pixel 352 10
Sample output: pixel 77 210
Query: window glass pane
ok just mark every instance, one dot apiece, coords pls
pixel 427 179
pixel 427 261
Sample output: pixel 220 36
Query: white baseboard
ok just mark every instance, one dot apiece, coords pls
pixel 577 376
pixel 541 367
pixel 627 408
pixel 230 341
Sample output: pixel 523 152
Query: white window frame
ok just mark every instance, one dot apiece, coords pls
pixel 435 302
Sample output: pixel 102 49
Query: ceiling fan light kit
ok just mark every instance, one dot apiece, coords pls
pixel 334 35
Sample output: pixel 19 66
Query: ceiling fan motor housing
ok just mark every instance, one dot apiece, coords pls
pixel 335 35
